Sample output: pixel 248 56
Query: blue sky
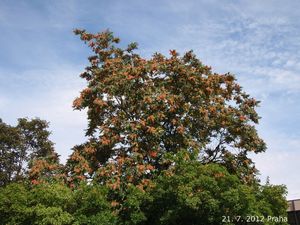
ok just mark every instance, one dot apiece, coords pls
pixel 258 41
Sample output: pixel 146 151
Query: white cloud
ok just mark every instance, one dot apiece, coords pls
pixel 49 95
pixel 281 162
pixel 250 44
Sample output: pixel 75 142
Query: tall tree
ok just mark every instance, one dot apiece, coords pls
pixel 140 109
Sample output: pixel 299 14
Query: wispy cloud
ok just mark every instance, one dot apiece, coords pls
pixel 47 94
pixel 280 162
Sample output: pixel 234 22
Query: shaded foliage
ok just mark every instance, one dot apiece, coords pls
pixel 11 154
pixel 54 204
pixel 187 193
pixel 193 193
pixel 26 151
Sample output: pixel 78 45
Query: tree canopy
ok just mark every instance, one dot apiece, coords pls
pixel 139 109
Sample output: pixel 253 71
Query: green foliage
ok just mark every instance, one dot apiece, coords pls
pixel 14 199
pixel 92 206
pixel 51 215
pixel 131 208
pixel 192 193
pixel 187 193
pixel 271 201
pixel 55 204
